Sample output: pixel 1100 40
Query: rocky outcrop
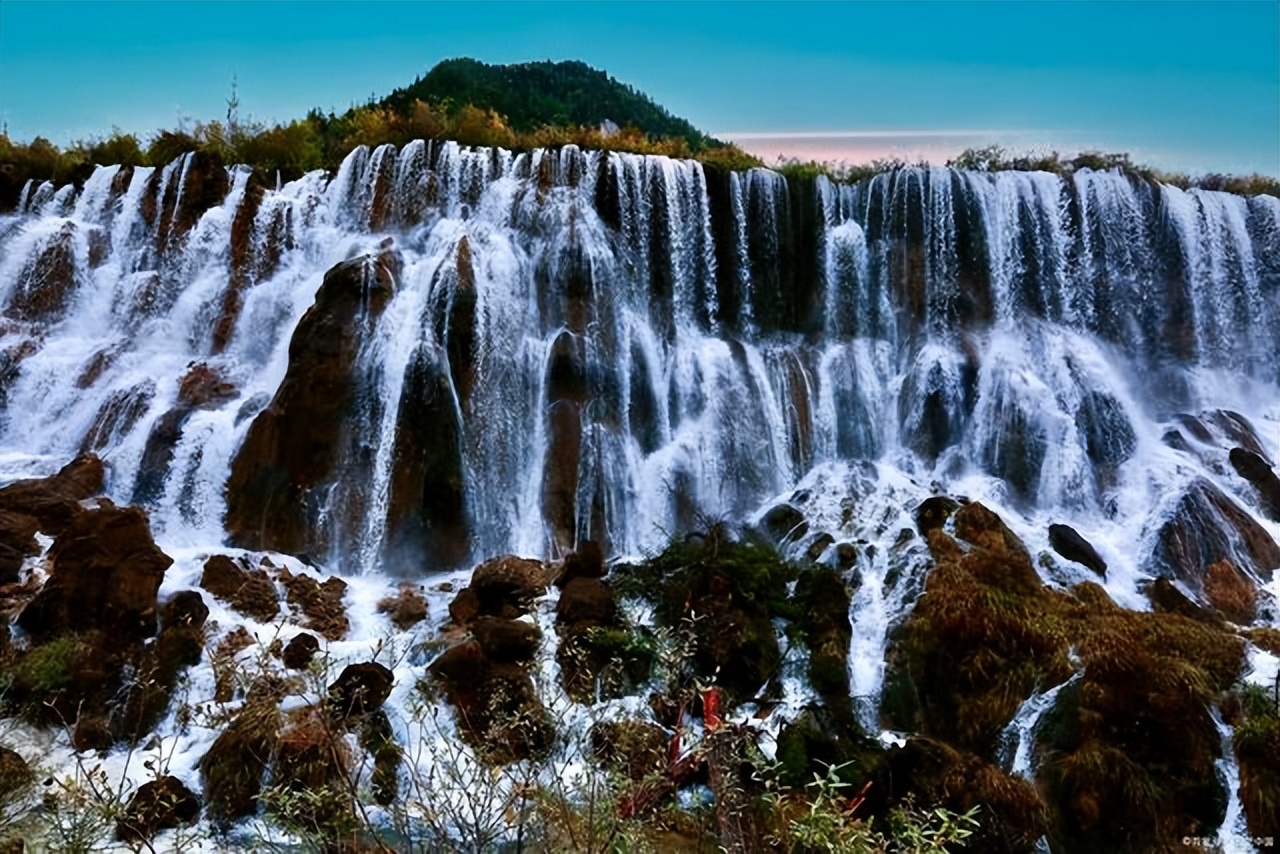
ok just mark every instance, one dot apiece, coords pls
pixel 105 572
pixel 17 543
pixel 1253 468
pixel 506 586
pixel 427 509
pixel 292 450
pixel 320 603
pixel 359 690
pixel 232 771
pixel 45 285
pixel 1205 527
pixel 55 500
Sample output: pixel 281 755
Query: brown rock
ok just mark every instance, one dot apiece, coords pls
pixel 406 609
pixel 231 771
pixel 586 562
pixel 250 592
pixel 45 284
pixel 1253 468
pixel 313 759
pixel 298 652
pixel 17 543
pixel 506 586
pixel 427 510
pixel 321 604
pixel 934 512
pixel 1206 527
pixel 504 641
pixel 203 387
pixel 54 500
pixel 15 774
pixel 158 805
pixel 977 525
pixel 465 607
pixel 586 602
pixel 360 689
pixel 294 446
pixel 105 573
pixel 184 609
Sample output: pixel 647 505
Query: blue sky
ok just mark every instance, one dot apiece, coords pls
pixel 1185 85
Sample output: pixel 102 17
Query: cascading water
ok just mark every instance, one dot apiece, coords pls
pixel 956 325
pixel 517 353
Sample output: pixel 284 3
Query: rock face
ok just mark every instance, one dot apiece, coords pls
pixel 53 501
pixel 1067 542
pixel 427 514
pixel 1253 468
pixel 275 491
pixel 1205 527
pixel 106 571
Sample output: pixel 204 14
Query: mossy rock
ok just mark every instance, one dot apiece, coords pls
pixel 818 739
pixel 1130 748
pixel 606 662
pixel 1257 745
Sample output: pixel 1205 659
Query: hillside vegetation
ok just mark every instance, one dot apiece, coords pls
pixel 517 107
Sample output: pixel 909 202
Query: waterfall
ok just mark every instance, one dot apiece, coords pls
pixel 629 346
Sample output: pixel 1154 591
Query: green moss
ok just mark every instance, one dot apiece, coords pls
pixel 1130 747
pixel 1257 745
pixel 46 669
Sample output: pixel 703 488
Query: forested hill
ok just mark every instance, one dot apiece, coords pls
pixel 536 94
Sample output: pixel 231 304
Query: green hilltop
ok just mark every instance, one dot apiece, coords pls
pixel 532 95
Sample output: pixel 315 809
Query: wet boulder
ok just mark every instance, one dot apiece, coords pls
pixel 298 652
pixel 1204 527
pixel 1109 439
pixel 587 561
pixel 251 592
pixel 232 770
pixel 160 804
pixel 1067 542
pixel 321 603
pixel 782 522
pixel 506 586
pixel 934 512
pixel 105 573
pixel 204 387
pixel 498 708
pixel 505 641
pixel 1253 468
pixel 45 284
pixel 359 690
pixel 53 501
pixel 294 446
pixel 586 602
pixel 185 609
pixel 17 543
